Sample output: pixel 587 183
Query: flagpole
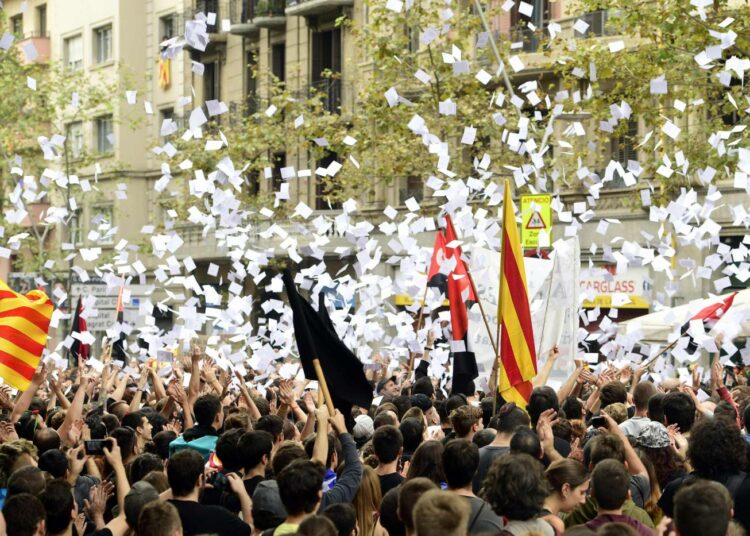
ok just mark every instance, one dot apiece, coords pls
pixel 323 385
pixel 419 324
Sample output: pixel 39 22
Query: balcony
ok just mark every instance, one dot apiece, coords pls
pixel 34 43
pixel 308 8
pixel 241 17
pixel 211 6
pixel 269 13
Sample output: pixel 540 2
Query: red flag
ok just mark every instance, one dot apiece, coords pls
pixel 79 349
pixel 461 297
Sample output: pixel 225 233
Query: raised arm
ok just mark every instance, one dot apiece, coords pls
pixel 24 400
pixel 541 378
pixel 114 457
pixel 320 447
pixel 75 410
pixel 194 385
pixel 135 403
pixel 635 465
pixel 567 388
pixel 251 407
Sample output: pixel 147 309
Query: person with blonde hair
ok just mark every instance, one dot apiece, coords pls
pixel 367 504
pixel 440 512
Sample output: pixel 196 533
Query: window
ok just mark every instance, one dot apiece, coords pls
pixel 520 31
pixel 279 161
pixel 104 136
pixel 167 27
pixel 326 186
pixel 103 44
pixel 102 222
pixel 326 58
pixel 251 84
pixel 73 51
pixel 75 140
pixel 278 61
pixel 206 7
pixel 624 150
pixel 411 186
pixel 41 20
pixel 74 227
pixel 212 81
pixel 16 24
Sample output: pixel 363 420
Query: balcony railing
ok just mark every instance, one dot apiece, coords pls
pixel 269 13
pixel 40 45
pixel 306 8
pixel 329 90
pixel 206 7
pixel 530 39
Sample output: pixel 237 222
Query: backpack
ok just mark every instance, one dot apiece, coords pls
pixel 203 445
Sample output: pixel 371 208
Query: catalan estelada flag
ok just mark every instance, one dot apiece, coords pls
pixel 517 352
pixel 24 323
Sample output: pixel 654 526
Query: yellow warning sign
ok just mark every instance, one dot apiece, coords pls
pixel 536 217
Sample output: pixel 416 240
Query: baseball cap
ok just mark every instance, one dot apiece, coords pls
pixel 268 510
pixel 363 428
pixel 382 383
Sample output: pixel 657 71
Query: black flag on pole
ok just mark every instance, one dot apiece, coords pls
pixel 317 338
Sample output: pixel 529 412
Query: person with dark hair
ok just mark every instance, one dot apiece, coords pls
pixel 408 495
pixel 344 517
pixel 274 425
pixel 412 430
pixel 679 409
pixel 125 439
pixel 484 437
pixel 525 441
pixel 402 403
pixel 54 462
pixel 610 483
pixel 541 399
pixel 656 408
pixel 301 490
pixel 516 488
pixel 186 478
pixel 569 482
pixel 385 418
pixel 423 386
pixel 140 424
pixel 28 479
pixel 437 512
pixel 641 395
pixel 316 526
pixel 159 518
pixel 59 506
pixel 140 494
pixel 427 462
pixel 208 418
pixel 466 421
pixel 702 508
pixel 612 393
pixel 24 516
pixel 143 465
pixel 509 417
pixel 718 452
pixel 460 462
pixel 161 443
pixel 387 443
pixel 572 408
pixel 255 451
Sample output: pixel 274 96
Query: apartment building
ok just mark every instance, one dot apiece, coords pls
pixel 294 41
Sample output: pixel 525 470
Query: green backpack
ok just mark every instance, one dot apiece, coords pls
pixel 203 445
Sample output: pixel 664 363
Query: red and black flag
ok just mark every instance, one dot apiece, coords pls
pixel 79 349
pixel 317 338
pixel 118 347
pixel 709 315
pixel 436 278
pixel 461 297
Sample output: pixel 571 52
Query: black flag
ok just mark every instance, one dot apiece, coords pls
pixel 118 346
pixel 317 338
pixel 79 349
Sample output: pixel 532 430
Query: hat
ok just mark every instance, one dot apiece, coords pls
pixel 141 493
pixel 653 436
pixel 268 510
pixel 363 428
pixel 422 401
pixel 382 383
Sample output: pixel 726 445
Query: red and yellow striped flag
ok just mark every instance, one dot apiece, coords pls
pixel 24 323
pixel 517 352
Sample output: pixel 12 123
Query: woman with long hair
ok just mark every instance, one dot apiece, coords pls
pixel 569 481
pixel 427 461
pixel 367 504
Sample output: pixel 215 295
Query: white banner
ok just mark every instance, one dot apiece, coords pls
pixel 553 298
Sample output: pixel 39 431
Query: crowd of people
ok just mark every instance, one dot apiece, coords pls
pixel 191 449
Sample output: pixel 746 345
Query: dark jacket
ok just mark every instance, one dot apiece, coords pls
pixel 348 483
